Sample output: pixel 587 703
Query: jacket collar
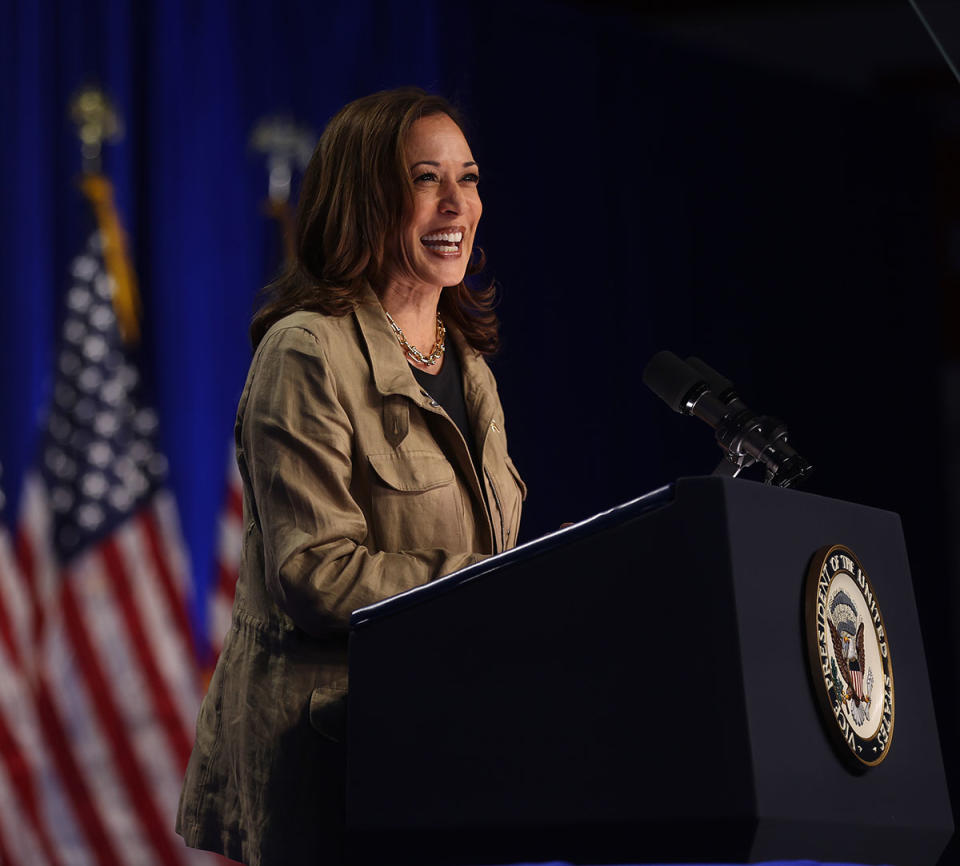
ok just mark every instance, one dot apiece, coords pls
pixel 391 372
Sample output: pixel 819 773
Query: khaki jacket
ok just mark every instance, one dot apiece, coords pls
pixel 356 486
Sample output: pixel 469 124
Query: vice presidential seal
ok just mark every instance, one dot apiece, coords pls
pixel 849 656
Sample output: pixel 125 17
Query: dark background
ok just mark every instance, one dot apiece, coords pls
pixel 774 187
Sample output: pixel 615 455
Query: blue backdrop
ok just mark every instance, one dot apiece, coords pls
pixel 643 188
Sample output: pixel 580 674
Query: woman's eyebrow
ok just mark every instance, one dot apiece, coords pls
pixel 437 164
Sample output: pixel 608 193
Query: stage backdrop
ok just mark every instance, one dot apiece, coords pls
pixel 762 188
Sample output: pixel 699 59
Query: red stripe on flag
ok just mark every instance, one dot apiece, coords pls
pixel 226 581
pixel 6 633
pixel 178 609
pixel 235 502
pixel 21 776
pixel 110 719
pixel 5 853
pixel 71 778
pixel 164 706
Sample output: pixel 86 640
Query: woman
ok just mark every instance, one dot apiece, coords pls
pixel 370 441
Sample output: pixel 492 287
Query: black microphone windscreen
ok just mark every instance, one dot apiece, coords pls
pixel 671 379
pixel 720 385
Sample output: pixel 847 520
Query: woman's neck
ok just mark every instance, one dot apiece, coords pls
pixel 415 312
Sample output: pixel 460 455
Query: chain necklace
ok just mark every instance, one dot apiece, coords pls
pixel 438 347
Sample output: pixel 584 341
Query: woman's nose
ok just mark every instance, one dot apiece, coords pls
pixel 451 198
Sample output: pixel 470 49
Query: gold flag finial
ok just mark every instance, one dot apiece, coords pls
pixel 97 121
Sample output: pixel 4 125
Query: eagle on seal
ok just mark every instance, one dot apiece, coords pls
pixel 847 635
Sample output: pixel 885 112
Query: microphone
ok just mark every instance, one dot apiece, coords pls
pixel 692 387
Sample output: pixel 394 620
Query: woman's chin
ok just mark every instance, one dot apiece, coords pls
pixel 451 274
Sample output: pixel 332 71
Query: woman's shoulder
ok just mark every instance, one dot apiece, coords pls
pixel 317 324
pixel 308 331
pixel 303 348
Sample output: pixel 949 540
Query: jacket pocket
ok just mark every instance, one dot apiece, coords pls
pixel 412 471
pixel 416 502
pixel 328 712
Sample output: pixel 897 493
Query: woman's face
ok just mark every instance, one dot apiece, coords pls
pixel 439 230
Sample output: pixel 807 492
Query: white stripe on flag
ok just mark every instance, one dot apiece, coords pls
pixel 13 600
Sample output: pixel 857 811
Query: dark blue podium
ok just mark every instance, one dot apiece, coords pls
pixel 634 689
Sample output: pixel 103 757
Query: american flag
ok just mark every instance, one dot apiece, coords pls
pixel 100 680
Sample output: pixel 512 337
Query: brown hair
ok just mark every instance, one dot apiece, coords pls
pixel 355 193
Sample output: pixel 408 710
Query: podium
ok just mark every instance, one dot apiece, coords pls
pixel 636 689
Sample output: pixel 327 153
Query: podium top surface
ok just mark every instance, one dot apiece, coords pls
pixel 655 499
pixel 612 517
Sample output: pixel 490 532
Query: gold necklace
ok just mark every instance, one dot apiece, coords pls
pixel 438 347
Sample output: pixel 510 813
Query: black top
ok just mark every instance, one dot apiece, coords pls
pixel 446 387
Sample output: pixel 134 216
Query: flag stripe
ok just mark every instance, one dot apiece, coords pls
pixel 89 741
pixel 34 556
pixel 6 633
pixel 110 720
pixel 28 568
pixel 55 735
pixel 70 779
pixel 175 659
pixel 235 500
pixel 19 805
pixel 165 710
pixel 229 553
pixel 226 580
pixel 221 608
pixel 102 616
pixel 13 604
pixel 20 775
pixel 5 856
pixel 173 594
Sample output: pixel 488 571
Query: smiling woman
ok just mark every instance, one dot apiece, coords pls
pixel 441 221
pixel 360 199
pixel 371 444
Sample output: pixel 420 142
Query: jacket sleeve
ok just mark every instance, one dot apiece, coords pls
pixel 295 447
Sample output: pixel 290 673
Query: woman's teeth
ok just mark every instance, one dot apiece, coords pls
pixel 443 242
pixel 456 237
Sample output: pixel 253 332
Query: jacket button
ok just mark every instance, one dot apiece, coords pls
pixel 433 402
